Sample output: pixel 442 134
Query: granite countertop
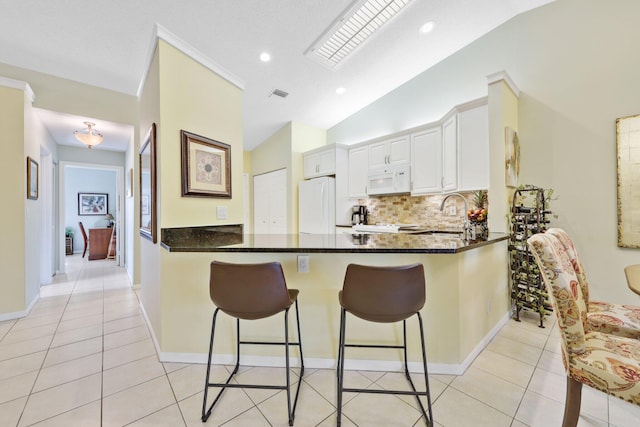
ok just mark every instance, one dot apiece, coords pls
pixel 231 239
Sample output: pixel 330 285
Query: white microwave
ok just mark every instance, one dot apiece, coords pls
pixel 392 179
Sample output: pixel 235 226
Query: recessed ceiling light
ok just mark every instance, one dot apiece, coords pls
pixel 341 90
pixel 427 27
pixel 265 57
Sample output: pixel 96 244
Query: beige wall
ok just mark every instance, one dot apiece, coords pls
pixel 148 256
pixel 194 99
pixel 13 189
pixel 180 93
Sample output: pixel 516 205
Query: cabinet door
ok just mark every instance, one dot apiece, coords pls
pixel 399 150
pixel 450 154
pixel 378 152
pixel 327 163
pixel 358 171
pixel 310 165
pixel 426 161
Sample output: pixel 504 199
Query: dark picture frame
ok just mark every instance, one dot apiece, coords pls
pixel 148 180
pixel 206 166
pixel 93 204
pixel 33 185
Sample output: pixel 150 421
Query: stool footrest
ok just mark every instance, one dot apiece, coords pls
pixel 373 346
pixel 268 343
pixel 374 391
pixel 265 386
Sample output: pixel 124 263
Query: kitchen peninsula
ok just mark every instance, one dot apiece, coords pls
pixel 467 297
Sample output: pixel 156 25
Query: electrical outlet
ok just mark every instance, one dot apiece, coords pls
pixel 221 212
pixel 488 306
pixel 452 210
pixel 303 263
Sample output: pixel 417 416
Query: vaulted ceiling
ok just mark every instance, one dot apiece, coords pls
pixel 106 44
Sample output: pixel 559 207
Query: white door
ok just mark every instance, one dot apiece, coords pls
pixel 270 203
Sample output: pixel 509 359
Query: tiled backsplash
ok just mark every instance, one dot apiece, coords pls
pixel 421 210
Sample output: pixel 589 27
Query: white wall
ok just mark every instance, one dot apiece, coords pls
pixel 85 180
pixel 576 64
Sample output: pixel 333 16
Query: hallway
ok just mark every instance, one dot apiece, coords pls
pixel 84 357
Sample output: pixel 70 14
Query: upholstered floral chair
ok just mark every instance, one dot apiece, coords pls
pixel 610 318
pixel 605 362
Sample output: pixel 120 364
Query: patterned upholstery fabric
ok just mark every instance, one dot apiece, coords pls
pixel 605 362
pixel 610 318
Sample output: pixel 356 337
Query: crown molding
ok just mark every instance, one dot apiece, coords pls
pixel 162 33
pixel 503 75
pixel 18 84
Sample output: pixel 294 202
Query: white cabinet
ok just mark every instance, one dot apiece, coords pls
pixel 426 161
pixel 270 203
pixel 389 152
pixel 473 144
pixel 450 153
pixel 358 171
pixel 319 162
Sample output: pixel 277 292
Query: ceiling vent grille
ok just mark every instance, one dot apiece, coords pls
pixel 354 26
pixel 278 92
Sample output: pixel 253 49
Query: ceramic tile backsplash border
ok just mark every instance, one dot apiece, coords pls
pixel 421 210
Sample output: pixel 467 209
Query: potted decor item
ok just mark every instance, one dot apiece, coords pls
pixel 477 216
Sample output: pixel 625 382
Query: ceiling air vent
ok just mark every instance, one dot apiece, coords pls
pixel 278 92
pixel 352 28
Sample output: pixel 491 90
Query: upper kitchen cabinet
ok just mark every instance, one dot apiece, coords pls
pixel 473 144
pixel 358 171
pixel 426 161
pixel 322 161
pixel 390 152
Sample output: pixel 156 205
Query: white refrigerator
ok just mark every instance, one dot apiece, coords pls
pixel 317 206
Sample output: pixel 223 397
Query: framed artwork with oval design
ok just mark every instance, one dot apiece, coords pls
pixel 206 166
pixel 148 209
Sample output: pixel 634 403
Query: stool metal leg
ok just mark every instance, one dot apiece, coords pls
pixel 340 378
pixel 206 412
pixel 341 356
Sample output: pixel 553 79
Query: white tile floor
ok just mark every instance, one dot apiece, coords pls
pixel 84 357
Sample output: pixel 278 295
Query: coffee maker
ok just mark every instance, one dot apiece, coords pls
pixel 359 215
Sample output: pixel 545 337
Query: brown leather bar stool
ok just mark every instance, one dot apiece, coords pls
pixel 384 295
pixel 250 292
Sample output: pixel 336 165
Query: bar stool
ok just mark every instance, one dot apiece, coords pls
pixel 384 295
pixel 251 292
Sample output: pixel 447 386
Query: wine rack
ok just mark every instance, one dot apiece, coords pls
pixel 529 216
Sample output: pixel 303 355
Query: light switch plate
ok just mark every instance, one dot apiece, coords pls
pixel 221 212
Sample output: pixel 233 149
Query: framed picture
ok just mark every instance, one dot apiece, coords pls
pixel 93 203
pixel 512 157
pixel 148 213
pixel 628 154
pixel 32 179
pixel 206 166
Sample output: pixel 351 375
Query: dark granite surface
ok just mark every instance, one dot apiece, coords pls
pixel 230 239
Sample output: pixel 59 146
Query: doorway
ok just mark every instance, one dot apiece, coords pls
pixel 77 180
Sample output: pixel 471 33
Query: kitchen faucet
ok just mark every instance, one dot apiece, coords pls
pixel 466 227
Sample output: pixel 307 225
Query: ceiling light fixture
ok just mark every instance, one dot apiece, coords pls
pixel 89 136
pixel 265 57
pixel 352 28
pixel 341 90
pixel 427 27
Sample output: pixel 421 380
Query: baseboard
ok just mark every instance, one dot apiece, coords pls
pixel 20 314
